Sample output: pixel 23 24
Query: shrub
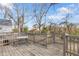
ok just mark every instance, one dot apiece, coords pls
pixel 25 29
pixel 15 30
pixel 44 30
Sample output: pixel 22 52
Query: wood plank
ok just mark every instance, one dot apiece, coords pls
pixel 30 50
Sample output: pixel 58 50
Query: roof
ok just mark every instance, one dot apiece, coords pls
pixel 33 30
pixel 5 22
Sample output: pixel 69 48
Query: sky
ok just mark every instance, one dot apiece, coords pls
pixel 55 13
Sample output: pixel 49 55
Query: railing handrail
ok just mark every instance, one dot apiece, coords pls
pixel 73 36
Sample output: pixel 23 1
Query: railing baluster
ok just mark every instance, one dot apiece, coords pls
pixel 73 45
pixel 78 46
pixel 70 40
pixel 54 37
pixel 67 44
pixel 64 50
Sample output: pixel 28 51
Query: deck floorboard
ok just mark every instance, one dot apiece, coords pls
pixel 31 50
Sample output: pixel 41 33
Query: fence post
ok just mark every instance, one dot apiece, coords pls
pixel 53 35
pixel 78 46
pixel 34 37
pixel 64 46
pixel 46 40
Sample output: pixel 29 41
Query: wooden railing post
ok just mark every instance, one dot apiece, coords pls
pixel 64 46
pixel 78 46
pixel 53 35
pixel 34 38
pixel 46 40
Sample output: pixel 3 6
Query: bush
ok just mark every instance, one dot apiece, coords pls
pixel 25 29
pixel 76 32
pixel 15 30
pixel 44 30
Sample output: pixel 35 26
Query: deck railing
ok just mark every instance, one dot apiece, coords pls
pixel 71 45
pixel 40 38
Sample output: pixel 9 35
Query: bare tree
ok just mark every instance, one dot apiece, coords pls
pixel 66 24
pixel 40 13
pixel 17 17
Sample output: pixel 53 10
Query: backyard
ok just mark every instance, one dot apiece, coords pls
pixel 36 45
pixel 39 29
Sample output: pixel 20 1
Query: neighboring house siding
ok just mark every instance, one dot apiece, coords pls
pixel 5 26
pixel 5 29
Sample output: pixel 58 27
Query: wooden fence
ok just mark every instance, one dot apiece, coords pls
pixel 40 38
pixel 9 38
pixel 70 42
pixel 71 45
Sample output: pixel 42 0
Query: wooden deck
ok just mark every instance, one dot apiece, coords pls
pixel 31 50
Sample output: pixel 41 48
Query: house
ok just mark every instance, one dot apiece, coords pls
pixel 5 25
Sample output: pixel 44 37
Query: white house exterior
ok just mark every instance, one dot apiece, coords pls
pixel 5 26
